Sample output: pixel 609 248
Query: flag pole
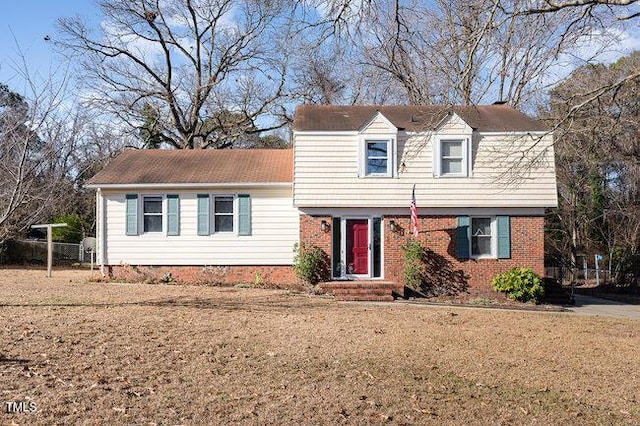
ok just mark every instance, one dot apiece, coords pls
pixel 414 213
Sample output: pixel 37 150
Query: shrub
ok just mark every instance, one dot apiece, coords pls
pixel 414 265
pixel 310 264
pixel 520 284
pixel 72 233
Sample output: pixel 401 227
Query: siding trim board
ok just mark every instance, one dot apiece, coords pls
pixel 173 186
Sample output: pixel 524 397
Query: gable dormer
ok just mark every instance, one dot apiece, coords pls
pixel 377 148
pixel 452 148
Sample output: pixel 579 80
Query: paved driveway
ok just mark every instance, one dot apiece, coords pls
pixel 587 305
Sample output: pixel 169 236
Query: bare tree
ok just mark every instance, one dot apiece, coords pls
pixel 189 73
pixel 597 152
pixel 449 52
pixel 33 167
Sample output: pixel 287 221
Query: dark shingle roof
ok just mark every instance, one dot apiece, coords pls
pixel 484 118
pixel 198 166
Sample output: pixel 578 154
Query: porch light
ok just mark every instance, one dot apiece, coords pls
pixel 392 225
pixel 324 226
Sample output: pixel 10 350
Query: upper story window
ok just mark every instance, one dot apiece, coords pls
pixel 376 157
pixel 152 214
pixel 451 156
pixel 223 214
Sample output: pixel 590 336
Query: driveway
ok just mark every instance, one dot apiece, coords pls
pixel 587 305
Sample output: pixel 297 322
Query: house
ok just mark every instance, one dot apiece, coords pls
pixel 204 216
pixel 481 176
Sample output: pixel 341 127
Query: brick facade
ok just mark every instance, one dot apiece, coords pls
pixel 264 276
pixel 438 233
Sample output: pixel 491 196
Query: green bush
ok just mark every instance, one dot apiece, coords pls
pixel 520 284
pixel 310 264
pixel 72 233
pixel 414 265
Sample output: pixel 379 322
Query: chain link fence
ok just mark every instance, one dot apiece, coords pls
pixel 35 251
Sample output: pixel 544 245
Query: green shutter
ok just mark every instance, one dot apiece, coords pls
pixel 244 214
pixel 132 214
pixel 203 214
pixel 173 214
pixel 462 234
pixel 504 237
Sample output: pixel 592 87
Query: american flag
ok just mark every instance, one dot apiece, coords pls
pixel 414 213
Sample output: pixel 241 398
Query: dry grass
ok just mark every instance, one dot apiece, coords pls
pixel 159 354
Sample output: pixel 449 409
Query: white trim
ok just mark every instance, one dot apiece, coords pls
pixel 423 211
pixel 141 231
pixel 391 155
pixel 234 214
pixel 479 133
pixel 517 133
pixel 326 132
pixel 188 185
pixel 370 247
pixel 467 159
pixel 100 231
pixel 494 237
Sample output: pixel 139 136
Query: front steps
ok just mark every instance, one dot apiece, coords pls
pixel 369 290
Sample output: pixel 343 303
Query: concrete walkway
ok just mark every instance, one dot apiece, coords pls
pixel 587 305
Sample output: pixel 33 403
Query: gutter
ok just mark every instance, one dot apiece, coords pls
pixel 99 186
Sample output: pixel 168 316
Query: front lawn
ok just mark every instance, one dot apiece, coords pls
pixel 162 354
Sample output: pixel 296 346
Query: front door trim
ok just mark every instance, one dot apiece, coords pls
pixel 343 248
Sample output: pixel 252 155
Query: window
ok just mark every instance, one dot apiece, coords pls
pixel 226 213
pixel 482 237
pixel 223 214
pixel 377 158
pixel 152 214
pixel 451 157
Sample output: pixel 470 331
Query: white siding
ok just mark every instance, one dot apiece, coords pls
pixel 274 223
pixel 378 125
pixel 509 170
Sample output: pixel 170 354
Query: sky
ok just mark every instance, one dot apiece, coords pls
pixel 23 27
pixel 24 24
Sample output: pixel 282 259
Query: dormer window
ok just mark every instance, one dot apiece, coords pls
pixel 377 158
pixel 451 156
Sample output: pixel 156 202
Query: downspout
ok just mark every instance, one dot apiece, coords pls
pixel 100 230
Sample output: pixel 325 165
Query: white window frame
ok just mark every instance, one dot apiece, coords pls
pixel 234 214
pixel 391 166
pixel 466 155
pixel 142 214
pixel 494 238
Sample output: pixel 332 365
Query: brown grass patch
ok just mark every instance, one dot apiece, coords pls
pixel 162 354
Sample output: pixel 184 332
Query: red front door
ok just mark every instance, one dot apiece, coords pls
pixel 358 246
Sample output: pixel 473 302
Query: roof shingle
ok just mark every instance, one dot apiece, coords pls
pixel 484 118
pixel 198 166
